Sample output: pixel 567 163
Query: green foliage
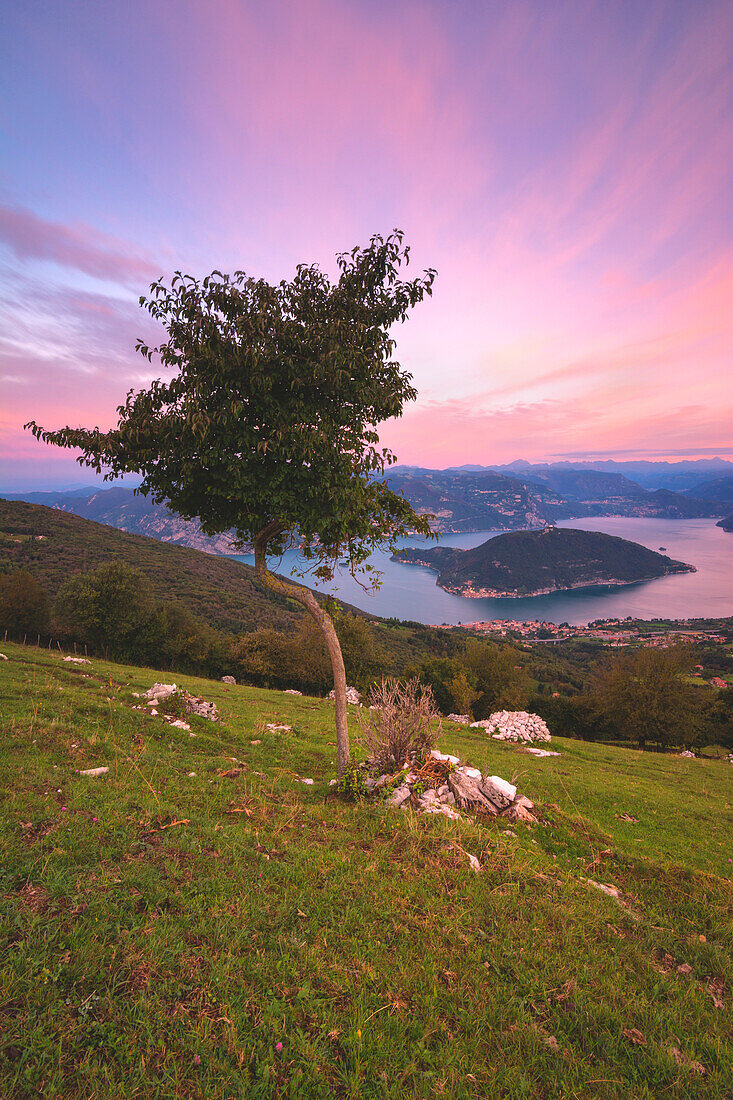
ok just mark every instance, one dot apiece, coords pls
pixel 352 784
pixel 269 419
pixel 479 679
pixel 106 608
pixel 24 604
pixel 642 693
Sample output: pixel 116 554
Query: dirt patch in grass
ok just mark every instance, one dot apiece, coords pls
pixel 35 899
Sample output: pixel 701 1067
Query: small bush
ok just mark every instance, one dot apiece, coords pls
pixel 351 786
pixel 402 723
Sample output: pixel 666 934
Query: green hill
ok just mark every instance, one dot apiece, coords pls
pixel 532 563
pixel 199 923
pixel 55 545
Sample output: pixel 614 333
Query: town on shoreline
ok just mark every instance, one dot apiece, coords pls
pixel 609 632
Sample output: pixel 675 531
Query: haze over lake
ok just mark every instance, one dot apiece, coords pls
pixel 410 592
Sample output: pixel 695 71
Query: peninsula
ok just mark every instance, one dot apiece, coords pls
pixel 535 563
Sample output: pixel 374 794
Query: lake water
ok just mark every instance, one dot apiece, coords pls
pixel 410 592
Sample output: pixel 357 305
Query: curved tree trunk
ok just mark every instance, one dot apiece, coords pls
pixel 305 597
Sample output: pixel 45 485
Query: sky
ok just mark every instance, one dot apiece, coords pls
pixel 565 165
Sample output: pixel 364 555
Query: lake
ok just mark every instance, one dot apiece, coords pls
pixel 410 592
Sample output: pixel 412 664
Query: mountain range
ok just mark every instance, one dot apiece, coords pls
pixel 508 498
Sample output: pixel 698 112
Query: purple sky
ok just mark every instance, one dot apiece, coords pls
pixel 566 166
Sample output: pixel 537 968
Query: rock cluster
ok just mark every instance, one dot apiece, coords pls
pixel 443 785
pixel 514 725
pixel 352 696
pixel 461 719
pixel 292 691
pixel 77 660
pixel 158 693
pixel 228 680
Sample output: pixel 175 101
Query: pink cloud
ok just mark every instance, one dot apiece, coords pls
pixel 77 246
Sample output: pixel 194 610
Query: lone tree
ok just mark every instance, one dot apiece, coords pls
pixel 268 424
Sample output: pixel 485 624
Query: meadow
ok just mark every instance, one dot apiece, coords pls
pixel 200 923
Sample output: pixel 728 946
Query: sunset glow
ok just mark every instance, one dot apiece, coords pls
pixel 566 168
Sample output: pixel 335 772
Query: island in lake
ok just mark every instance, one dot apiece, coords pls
pixel 535 563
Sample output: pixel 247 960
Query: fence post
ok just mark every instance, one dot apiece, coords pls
pixel 24 637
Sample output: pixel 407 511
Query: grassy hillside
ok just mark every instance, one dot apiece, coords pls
pixel 167 926
pixel 55 545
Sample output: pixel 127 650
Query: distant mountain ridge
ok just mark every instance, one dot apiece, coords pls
pixel 519 496
pixel 535 563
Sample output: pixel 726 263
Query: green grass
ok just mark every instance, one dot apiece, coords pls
pixel 156 944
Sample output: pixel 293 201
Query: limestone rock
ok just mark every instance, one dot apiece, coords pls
pixel 514 725
pixel 399 796
pixel 352 696
pixel 501 793
pixel 468 794
pixel 94 772
pixel 444 757
pixel 75 660
pixel 228 680
pixel 292 691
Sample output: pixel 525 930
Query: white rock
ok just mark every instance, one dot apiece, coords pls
pixel 461 719
pixel 473 772
pixel 179 724
pixel 399 796
pixel 475 865
pixel 507 789
pixel 3 657
pixel 308 782
pixel 428 798
pixel 160 691
pixel 75 660
pixel 445 811
pixel 274 728
pixel 333 783
pixel 352 695
pixel 192 775
pixel 444 757
pixel 228 680
pixel 292 691
pixel 542 752
pixel 94 771
pixel 516 725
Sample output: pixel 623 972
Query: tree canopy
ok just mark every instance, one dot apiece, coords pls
pixel 270 414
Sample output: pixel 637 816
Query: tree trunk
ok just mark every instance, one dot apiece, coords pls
pixel 305 597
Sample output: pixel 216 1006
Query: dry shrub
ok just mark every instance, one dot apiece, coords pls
pixel 402 723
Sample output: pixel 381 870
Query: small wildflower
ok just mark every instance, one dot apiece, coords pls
pixel 358 1033
pixel 197 1059
pixel 63 807
pixel 278 1047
